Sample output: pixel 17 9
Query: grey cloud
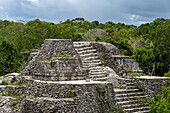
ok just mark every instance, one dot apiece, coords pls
pixel 126 11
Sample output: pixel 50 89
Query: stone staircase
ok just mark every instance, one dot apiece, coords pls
pixel 90 60
pixel 131 98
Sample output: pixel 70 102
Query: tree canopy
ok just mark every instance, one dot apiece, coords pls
pixel 148 43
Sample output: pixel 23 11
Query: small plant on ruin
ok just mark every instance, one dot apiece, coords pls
pixel 3 104
pixel 16 95
pixel 13 105
pixel 4 82
pixel 64 56
pixel 118 87
pixel 138 85
pixel 16 84
pixel 120 109
pixel 36 94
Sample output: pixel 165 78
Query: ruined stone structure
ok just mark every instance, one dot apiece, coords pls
pixel 81 19
pixel 72 77
pixel 56 60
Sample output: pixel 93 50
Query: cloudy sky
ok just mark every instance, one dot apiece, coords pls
pixel 127 11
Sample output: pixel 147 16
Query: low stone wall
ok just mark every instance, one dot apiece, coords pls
pixel 150 84
pixel 88 97
pixel 14 90
pixel 49 105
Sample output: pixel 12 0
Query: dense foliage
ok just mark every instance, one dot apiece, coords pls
pixel 148 43
pixel 160 103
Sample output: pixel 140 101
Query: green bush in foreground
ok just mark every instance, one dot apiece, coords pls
pixel 160 103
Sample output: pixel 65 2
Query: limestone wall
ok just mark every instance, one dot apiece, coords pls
pixel 56 47
pixel 68 96
pixel 150 84
pixel 56 60
pixel 112 57
pixel 105 52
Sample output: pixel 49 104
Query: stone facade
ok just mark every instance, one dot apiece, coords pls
pixel 113 58
pixel 56 60
pixel 62 96
pixel 150 84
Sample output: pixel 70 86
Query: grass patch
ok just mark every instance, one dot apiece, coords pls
pixel 4 82
pixel 13 105
pixel 15 84
pixel 167 74
pixel 64 56
pixel 134 74
pixel 119 87
pixel 51 68
pixel 17 95
pixel 36 94
pixel 138 86
pixel 120 109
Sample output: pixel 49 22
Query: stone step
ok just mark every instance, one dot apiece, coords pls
pixel 91 58
pixel 98 73
pixel 145 111
pixel 124 91
pixel 130 98
pixel 136 109
pixel 92 64
pixel 100 79
pixel 91 61
pixel 97 76
pixel 87 51
pixel 85 66
pixel 130 94
pixel 83 49
pixel 135 105
pixel 81 45
pixel 131 87
pixel 89 55
pixel 86 61
pixel 127 102
pixel 129 84
pixel 96 68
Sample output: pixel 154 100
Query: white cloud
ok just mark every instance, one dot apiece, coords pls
pixel 34 2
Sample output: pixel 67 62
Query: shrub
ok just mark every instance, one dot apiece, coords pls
pixel 160 103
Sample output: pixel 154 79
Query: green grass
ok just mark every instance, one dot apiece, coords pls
pixel 4 82
pixel 15 84
pixel 118 87
pixel 120 109
pixel 134 74
pixel 51 68
pixel 13 105
pixel 64 56
pixel 17 95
